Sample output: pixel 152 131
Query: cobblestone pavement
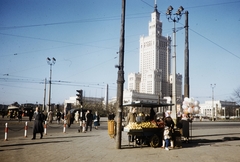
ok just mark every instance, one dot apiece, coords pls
pixel 218 145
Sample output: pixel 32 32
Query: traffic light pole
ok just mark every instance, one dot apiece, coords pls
pixel 79 99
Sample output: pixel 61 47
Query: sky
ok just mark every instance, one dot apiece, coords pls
pixel 84 38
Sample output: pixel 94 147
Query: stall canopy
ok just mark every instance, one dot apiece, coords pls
pixel 12 107
pixel 146 104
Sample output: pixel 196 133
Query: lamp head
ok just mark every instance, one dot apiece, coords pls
pixel 170 8
pixel 180 10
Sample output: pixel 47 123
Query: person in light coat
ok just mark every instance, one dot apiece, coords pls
pixel 76 116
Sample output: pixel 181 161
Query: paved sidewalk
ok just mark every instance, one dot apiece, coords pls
pixel 218 145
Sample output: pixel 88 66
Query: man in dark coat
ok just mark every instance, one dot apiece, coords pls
pixel 38 124
pixel 30 115
pixel 89 118
pixel 58 116
pixel 69 118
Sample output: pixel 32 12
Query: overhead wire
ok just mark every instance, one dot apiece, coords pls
pixel 108 19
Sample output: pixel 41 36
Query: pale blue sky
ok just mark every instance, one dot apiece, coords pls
pixel 84 37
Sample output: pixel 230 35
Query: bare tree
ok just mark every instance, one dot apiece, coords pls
pixel 236 95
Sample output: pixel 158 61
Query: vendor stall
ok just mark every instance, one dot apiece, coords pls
pixel 146 131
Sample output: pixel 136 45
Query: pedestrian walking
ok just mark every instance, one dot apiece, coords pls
pixel 30 115
pixel 96 120
pixel 58 117
pixel 68 118
pixel 20 115
pixel 3 113
pixel 38 124
pixel 76 117
pixel 50 116
pixel 89 118
pixel 82 117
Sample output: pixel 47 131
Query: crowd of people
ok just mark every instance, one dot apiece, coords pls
pixel 87 120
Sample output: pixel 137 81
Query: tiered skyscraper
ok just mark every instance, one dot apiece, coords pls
pixel 154 75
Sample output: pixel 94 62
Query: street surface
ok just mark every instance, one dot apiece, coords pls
pixel 210 142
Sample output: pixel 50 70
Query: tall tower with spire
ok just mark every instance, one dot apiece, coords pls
pixel 154 65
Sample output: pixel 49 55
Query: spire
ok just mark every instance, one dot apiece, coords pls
pixel 155 7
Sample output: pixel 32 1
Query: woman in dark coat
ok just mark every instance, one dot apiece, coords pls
pixel 69 117
pixel 185 127
pixel 96 119
pixel 38 124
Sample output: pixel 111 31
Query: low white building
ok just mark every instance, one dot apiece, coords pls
pixel 74 102
pixel 219 109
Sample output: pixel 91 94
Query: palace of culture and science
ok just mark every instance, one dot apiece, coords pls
pixel 154 76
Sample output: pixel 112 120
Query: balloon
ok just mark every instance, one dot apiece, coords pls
pixel 185 103
pixel 191 100
pixel 196 103
pixel 196 109
pixel 186 99
pixel 184 106
pixel 191 104
pixel 190 110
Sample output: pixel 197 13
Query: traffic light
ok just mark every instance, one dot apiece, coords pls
pixel 79 96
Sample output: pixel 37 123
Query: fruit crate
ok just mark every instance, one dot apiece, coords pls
pixel 132 130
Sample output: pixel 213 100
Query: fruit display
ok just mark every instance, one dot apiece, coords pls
pixel 141 125
pixel 133 126
pixel 148 125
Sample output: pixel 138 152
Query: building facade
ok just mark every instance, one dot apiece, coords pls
pixel 154 75
pixel 219 109
pixel 134 80
pixel 154 60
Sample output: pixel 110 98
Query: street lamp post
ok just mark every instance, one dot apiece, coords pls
pixel 50 62
pixel 213 86
pixel 174 18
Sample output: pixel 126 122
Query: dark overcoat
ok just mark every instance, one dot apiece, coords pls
pixel 185 127
pixel 38 123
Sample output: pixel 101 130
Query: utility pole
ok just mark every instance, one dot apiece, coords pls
pixel 213 86
pixel 186 67
pixel 50 62
pixel 106 98
pixel 174 18
pixel 44 98
pixel 120 80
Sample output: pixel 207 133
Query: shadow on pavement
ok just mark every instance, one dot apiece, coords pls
pixel 209 135
pixel 202 142
pixel 56 137
pixel 33 143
